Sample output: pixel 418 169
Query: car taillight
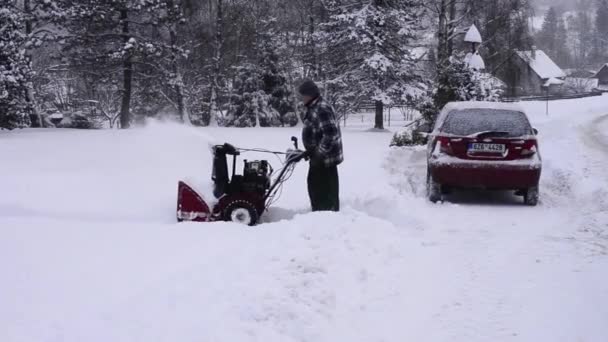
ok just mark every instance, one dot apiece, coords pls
pixel 444 145
pixel 529 149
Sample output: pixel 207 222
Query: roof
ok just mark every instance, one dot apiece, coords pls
pixel 553 81
pixel 579 73
pixel 473 35
pixel 542 64
pixel 597 75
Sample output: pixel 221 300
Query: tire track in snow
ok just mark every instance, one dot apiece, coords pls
pixel 597 140
pixel 594 228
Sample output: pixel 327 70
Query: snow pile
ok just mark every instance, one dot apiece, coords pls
pixel 103 175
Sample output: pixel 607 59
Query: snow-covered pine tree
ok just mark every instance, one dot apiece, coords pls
pixel 114 38
pixel 274 81
pixel 15 67
pixel 456 81
pixel 165 52
pixel 504 25
pixel 368 50
pixel 249 103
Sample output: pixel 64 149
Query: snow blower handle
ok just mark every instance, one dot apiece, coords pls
pixel 295 142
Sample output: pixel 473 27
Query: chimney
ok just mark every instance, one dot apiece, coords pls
pixel 533 52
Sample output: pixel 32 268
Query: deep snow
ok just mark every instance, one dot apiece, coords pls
pixel 89 250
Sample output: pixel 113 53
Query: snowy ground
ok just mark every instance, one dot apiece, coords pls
pixel 89 250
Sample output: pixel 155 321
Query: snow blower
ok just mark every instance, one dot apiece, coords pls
pixel 241 198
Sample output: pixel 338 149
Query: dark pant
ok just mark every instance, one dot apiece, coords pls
pixel 323 187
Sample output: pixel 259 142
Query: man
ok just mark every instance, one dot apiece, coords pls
pixel 323 142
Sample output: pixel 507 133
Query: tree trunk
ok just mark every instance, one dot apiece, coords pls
pixel 379 115
pixel 217 65
pixel 29 97
pixel 179 89
pixel 314 72
pixel 125 109
pixel 451 27
pixel 442 33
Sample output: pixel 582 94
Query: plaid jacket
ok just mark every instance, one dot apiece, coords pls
pixel 321 134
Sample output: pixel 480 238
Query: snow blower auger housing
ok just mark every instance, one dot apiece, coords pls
pixel 241 198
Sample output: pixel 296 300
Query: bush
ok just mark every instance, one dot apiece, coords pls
pixel 78 121
pixel 411 136
pixel 290 119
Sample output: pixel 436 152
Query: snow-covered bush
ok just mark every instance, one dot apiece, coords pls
pixel 290 119
pixel 79 121
pixel 456 81
pixel 411 135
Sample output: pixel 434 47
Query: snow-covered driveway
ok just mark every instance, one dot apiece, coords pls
pixel 89 250
pixel 598 132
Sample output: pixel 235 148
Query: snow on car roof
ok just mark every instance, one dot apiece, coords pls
pixel 483 105
pixel 542 64
pixel 464 105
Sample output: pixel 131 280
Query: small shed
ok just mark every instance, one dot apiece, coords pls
pixel 527 73
pixel 602 77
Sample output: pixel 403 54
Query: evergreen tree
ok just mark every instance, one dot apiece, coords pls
pixel 562 54
pixel 504 25
pixel 15 68
pixel 547 38
pixel 601 32
pixel 582 35
pixel 274 82
pixel 368 50
pixel 553 37
pixel 249 103
pixel 115 37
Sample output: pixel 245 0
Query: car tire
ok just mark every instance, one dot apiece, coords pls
pixel 433 189
pixel 241 212
pixel 531 196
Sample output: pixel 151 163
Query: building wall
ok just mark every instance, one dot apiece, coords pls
pixel 603 76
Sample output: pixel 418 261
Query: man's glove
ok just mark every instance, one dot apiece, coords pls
pixel 296 156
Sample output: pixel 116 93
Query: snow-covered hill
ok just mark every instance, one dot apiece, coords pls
pixel 89 250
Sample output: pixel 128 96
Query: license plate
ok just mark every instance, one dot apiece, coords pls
pixel 486 148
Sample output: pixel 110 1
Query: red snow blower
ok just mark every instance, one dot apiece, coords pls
pixel 240 198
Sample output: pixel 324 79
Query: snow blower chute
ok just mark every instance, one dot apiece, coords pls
pixel 241 198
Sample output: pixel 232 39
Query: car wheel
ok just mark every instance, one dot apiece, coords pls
pixel 433 189
pixel 531 196
pixel 241 212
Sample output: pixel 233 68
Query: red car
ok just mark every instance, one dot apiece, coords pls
pixel 483 145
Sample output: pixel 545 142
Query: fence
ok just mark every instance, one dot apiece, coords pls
pixel 394 116
pixel 553 97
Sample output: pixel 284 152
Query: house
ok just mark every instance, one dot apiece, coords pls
pixel 532 72
pixel 602 77
pixel 579 81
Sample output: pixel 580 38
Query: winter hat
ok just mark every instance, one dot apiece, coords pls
pixel 309 88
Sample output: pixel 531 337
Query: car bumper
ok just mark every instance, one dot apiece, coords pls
pixel 498 175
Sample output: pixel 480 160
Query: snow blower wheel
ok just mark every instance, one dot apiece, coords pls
pixel 240 198
pixel 241 212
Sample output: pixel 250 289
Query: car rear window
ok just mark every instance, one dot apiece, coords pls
pixel 470 121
